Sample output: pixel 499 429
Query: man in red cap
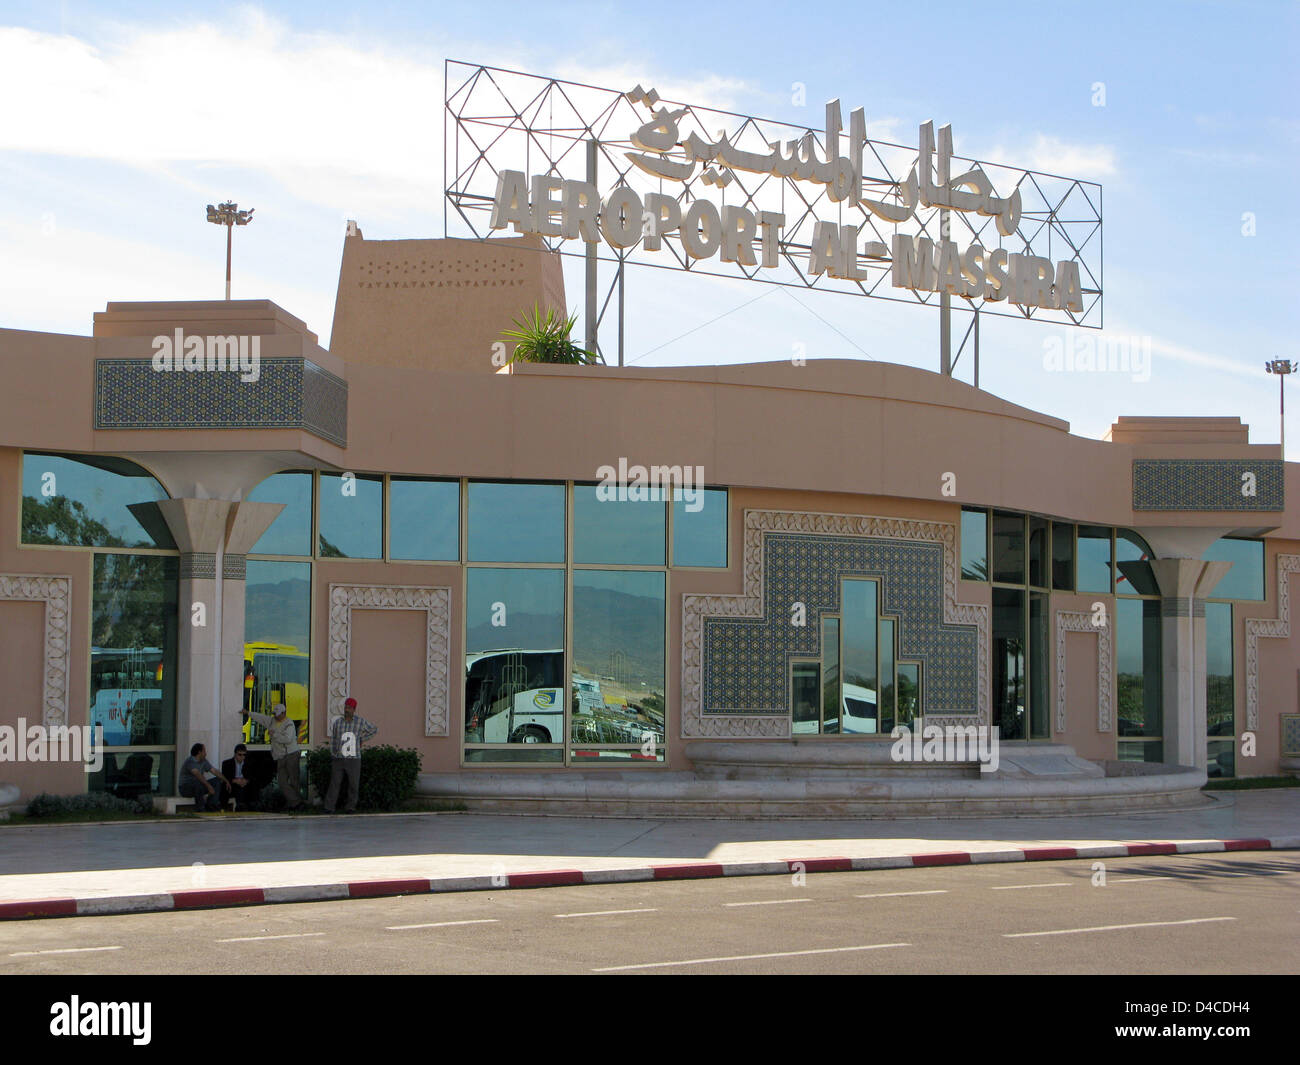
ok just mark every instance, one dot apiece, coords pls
pixel 347 734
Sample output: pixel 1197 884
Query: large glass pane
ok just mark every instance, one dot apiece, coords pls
pixel 1140 750
pixel 1009 547
pixel 618 657
pixel 514 656
pixel 1039 692
pixel 909 693
pixel 1094 558
pixel 831 674
pixel 1246 578
pixel 1009 662
pixel 805 679
pixel 351 515
pixel 133 636
pixel 975 545
pixel 700 535
pixel 1133 574
pixel 82 502
pixel 277 658
pixel 516 522
pixel 1220 691
pixel 860 613
pixel 424 519
pixel 887 689
pixel 128 775
pixel 1138 679
pixel 1039 560
pixel 1063 556
pixel 617 532
pixel 290 533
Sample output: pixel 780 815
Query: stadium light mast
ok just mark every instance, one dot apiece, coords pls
pixel 229 215
pixel 1281 367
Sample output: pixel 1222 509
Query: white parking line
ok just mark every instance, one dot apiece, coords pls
pixel 257 939
pixel 746 957
pixel 766 902
pixel 900 894
pixel 437 924
pixel 606 913
pixel 1114 927
pixel 61 950
pixel 1021 887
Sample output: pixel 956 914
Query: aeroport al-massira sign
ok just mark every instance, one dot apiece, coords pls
pixel 640 179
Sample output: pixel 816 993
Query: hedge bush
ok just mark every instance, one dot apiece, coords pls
pixel 44 805
pixel 387 775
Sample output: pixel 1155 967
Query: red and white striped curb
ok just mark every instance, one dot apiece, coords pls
pixel 209 898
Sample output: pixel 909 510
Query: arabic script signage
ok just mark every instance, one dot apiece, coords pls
pixel 829 208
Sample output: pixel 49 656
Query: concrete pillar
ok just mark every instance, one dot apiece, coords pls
pixel 214 536
pixel 1183 584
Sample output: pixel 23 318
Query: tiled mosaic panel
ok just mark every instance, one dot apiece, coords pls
pixel 1290 735
pixel 290 393
pixel 746 660
pixel 1206 484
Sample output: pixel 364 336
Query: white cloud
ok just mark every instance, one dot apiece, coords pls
pixel 1052 155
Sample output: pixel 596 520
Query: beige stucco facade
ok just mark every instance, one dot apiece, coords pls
pixel 412 354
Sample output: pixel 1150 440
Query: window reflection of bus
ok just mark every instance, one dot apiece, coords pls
pixel 275 673
pixel 514 696
pixel 126 692
pixel 857 712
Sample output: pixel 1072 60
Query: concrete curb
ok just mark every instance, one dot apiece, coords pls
pixel 212 898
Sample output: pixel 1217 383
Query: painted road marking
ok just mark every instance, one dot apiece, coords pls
pixel 61 950
pixel 1136 879
pixel 766 902
pixel 606 913
pixel 1114 927
pixel 258 939
pixel 900 894
pixel 1021 887
pixel 746 957
pixel 438 924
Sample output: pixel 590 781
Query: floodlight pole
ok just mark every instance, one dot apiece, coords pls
pixel 229 215
pixel 230 228
pixel 593 147
pixel 1281 367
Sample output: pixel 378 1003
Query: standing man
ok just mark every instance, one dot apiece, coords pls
pixel 283 734
pixel 347 734
pixel 193 784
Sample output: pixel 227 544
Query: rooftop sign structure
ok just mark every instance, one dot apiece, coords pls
pixel 627 177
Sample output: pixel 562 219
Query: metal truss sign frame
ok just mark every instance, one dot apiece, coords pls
pixel 634 179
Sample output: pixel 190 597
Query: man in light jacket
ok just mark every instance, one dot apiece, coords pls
pixel 283 733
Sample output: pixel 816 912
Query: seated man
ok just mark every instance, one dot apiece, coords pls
pixel 239 771
pixel 207 795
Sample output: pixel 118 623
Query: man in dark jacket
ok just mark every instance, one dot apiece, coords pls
pixel 238 770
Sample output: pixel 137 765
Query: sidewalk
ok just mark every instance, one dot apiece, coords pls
pixel 218 861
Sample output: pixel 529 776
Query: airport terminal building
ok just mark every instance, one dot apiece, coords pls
pixel 847 547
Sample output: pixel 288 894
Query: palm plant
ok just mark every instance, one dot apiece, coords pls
pixel 545 338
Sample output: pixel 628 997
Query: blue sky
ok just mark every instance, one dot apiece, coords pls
pixel 122 122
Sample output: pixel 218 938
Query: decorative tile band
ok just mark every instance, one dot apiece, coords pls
pixel 1176 607
pixel 198 566
pixel 290 393
pixel 736 649
pixel 234 567
pixel 1208 484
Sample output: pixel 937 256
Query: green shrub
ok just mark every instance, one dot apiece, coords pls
pixel 270 800
pixel 44 805
pixel 387 775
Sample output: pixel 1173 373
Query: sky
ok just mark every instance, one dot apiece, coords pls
pixel 121 122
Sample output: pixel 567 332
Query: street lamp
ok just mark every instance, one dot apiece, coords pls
pixel 1281 367
pixel 229 215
